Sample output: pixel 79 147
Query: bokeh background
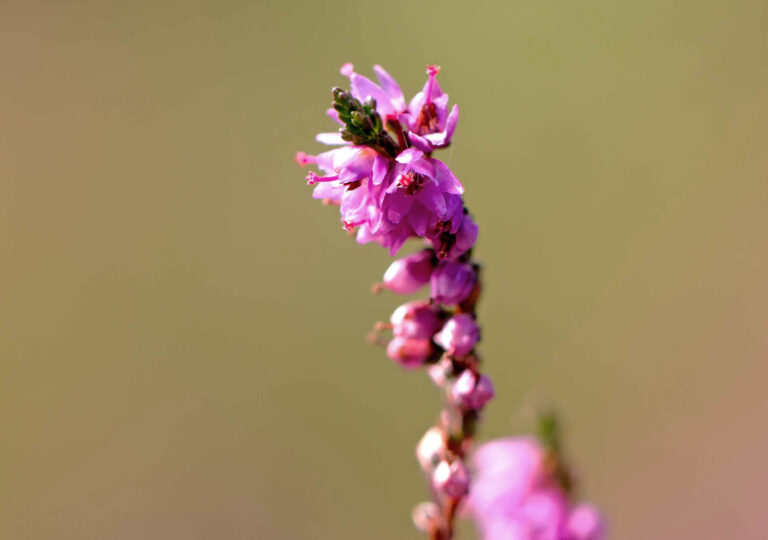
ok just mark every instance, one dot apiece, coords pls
pixel 182 329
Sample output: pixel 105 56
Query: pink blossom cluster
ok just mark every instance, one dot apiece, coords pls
pixel 515 495
pixel 390 196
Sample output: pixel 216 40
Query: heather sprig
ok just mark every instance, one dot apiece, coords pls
pixel 390 189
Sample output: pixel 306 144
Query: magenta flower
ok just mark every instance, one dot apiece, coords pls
pixel 430 125
pixel 418 189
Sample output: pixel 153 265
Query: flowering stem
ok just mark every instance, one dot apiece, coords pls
pixel 390 191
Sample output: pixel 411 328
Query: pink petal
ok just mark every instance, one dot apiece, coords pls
pixel 380 168
pixel 409 155
pixel 419 142
pixel 418 218
pixel 363 88
pixel 330 138
pixel 391 87
pixel 334 114
pixel 446 180
pixel 431 198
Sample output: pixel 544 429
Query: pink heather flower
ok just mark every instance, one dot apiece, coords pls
pixel 411 273
pixel 472 392
pixel 410 352
pixel 513 496
pixel 584 523
pixel 451 478
pixel 452 282
pixel 416 190
pixel 429 123
pixel 459 335
pixel 417 319
pixel 431 448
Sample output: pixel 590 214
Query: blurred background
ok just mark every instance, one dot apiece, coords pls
pixel 182 328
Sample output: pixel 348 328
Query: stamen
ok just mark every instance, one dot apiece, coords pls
pixel 305 159
pixel 411 181
pixel 312 178
pixel 349 226
pixel 432 71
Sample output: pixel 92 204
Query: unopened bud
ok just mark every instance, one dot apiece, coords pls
pixel 459 335
pixel 417 319
pixel 431 448
pixel 409 274
pixel 410 352
pixel 451 478
pixel 426 517
pixel 452 282
pixel 472 392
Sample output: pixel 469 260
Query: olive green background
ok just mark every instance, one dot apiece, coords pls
pixel 182 328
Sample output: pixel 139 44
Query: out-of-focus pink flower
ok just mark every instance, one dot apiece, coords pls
pixel 513 496
pixel 585 523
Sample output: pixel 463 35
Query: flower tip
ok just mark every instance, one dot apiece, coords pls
pixel 311 177
pixel 433 70
pixel 347 69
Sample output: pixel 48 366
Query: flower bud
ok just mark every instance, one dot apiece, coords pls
pixel 452 282
pixel 451 478
pixel 409 274
pixel 417 319
pixel 409 352
pixel 585 523
pixel 472 392
pixel 426 516
pixel 431 448
pixel 459 335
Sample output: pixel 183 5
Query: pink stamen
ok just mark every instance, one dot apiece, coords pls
pixel 313 178
pixel 432 71
pixel 305 159
pixel 347 69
